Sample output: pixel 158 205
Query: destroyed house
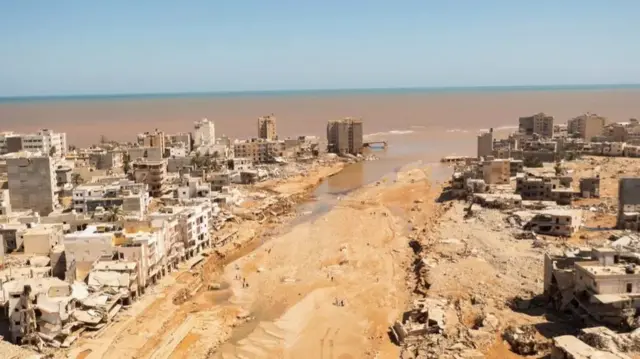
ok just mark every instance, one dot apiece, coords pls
pixel 555 222
pixel 37 308
pixel 117 275
pixel 544 188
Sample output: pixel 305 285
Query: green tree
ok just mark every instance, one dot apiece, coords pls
pixel 52 151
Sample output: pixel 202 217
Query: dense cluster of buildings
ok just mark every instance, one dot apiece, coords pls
pixel 84 232
pixel 539 140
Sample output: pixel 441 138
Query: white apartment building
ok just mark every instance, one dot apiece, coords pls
pixel 193 224
pixel 133 198
pixel 204 133
pixel 41 141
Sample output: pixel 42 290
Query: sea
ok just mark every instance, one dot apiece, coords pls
pixel 420 125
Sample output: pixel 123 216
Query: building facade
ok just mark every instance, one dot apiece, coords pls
pixel 539 124
pixel 586 126
pixel 345 136
pixel 259 150
pixel 267 127
pixel 204 133
pixel 32 182
pixel 154 139
pixel 44 141
pixel 153 174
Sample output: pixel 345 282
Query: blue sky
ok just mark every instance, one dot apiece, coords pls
pixel 51 47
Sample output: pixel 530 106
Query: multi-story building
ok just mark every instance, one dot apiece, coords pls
pixel 496 171
pixel 204 133
pixel 555 222
pixel 586 126
pixel 545 188
pixel 539 124
pixel 485 144
pixel 267 127
pixel 193 224
pixel 629 203
pixel 44 141
pixel 345 136
pixel 152 139
pixel 259 150
pixel 131 197
pixel 32 182
pixel 5 202
pixel 152 173
pixel 183 138
pixel 105 159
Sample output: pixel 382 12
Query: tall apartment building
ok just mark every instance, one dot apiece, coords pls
pixel 152 173
pixel 32 182
pixel 345 136
pixel 586 126
pixel 152 139
pixel 267 127
pixel 540 124
pixel 204 133
pixel 259 150
pixel 44 141
pixel 485 144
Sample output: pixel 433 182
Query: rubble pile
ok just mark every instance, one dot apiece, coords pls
pixel 524 341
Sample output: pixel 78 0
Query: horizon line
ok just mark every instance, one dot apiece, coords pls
pixel 319 91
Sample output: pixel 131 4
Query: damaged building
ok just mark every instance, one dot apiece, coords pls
pixel 555 222
pixel 545 188
pixel 629 204
pixel 602 284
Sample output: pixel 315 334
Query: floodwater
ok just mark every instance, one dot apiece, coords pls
pixel 418 147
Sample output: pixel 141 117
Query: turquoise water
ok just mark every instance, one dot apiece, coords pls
pixel 324 92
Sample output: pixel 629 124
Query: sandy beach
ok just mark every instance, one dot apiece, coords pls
pixel 424 113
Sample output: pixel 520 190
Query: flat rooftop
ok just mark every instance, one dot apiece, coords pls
pixel 597 269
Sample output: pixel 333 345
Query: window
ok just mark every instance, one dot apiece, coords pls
pixel 629 287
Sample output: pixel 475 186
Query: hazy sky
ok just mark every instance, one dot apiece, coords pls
pixel 128 46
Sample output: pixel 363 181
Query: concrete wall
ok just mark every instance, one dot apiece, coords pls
pixel 32 184
pixel 628 196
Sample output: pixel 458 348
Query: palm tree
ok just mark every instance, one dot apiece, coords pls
pixel 115 214
pixel 77 179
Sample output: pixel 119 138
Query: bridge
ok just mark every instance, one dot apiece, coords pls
pixel 375 144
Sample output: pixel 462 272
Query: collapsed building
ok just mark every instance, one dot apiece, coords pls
pixel 555 222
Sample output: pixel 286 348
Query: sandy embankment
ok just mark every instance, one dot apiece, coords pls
pixel 330 288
